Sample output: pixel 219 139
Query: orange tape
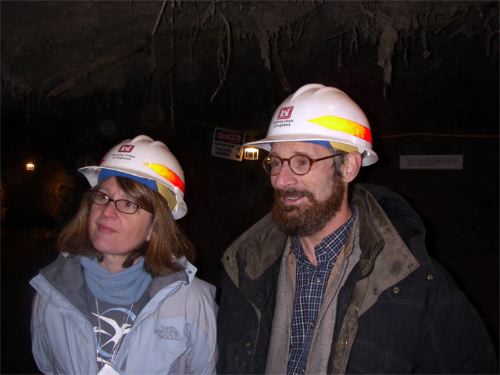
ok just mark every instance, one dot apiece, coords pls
pixel 345 126
pixel 167 174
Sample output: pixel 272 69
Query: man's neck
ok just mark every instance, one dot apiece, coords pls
pixel 310 242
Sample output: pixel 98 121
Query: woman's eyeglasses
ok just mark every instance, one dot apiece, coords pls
pixel 122 205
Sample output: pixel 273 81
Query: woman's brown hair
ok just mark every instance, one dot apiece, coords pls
pixel 166 244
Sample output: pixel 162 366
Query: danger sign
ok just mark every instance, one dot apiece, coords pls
pixel 228 144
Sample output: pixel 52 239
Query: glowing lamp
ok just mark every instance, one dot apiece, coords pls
pixel 30 166
pixel 251 153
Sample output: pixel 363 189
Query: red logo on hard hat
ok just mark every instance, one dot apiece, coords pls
pixel 126 148
pixel 285 112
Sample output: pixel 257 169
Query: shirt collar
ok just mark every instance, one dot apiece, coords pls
pixel 329 248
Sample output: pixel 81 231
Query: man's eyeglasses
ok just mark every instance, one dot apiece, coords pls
pixel 299 164
pixel 122 205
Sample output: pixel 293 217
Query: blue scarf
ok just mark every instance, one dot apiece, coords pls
pixel 121 288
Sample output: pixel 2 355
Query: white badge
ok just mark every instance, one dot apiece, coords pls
pixel 108 370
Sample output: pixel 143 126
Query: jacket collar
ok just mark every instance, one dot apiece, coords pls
pixel 66 275
pixel 255 250
pixel 385 258
pixel 184 276
pixel 381 245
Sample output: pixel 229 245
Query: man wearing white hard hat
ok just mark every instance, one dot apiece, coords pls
pixel 337 279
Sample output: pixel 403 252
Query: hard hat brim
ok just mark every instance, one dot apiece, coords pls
pixel 91 173
pixel 369 157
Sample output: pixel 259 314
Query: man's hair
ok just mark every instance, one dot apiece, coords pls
pixel 338 162
pixel 166 243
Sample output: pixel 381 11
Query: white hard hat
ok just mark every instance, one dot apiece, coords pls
pixel 151 162
pixel 319 113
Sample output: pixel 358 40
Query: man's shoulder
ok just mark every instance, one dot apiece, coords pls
pixel 259 247
pixel 386 197
pixel 394 207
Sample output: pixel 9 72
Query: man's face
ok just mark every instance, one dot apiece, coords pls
pixel 303 205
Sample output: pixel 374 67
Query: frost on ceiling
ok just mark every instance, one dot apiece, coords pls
pixel 53 49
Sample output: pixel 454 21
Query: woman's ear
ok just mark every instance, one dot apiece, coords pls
pixel 351 166
pixel 148 237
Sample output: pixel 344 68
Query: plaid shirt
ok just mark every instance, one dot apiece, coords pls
pixel 311 282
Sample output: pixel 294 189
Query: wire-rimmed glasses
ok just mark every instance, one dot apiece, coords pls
pixel 299 164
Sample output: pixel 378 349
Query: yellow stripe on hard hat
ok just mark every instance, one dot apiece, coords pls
pixel 345 126
pixel 167 174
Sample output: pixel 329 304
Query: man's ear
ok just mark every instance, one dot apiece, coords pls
pixel 351 166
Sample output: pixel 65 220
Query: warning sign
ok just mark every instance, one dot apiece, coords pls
pixel 228 144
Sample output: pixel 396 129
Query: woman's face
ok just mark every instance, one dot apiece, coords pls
pixel 113 233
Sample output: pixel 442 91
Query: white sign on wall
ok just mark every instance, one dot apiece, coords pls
pixel 228 144
pixel 455 162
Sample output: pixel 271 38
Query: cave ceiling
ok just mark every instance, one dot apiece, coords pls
pixel 205 56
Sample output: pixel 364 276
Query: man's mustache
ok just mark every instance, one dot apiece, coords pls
pixel 292 194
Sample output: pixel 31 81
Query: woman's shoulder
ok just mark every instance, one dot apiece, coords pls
pixel 192 300
pixel 201 288
pixel 196 285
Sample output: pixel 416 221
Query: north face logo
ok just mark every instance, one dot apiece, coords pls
pixel 126 148
pixel 167 333
pixel 285 113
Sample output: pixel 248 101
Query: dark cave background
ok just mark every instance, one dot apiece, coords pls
pixel 78 77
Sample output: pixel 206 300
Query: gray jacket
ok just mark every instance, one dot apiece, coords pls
pixel 175 333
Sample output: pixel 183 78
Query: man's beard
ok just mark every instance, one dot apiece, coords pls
pixel 307 219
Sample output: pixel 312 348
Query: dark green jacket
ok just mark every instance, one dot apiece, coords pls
pixel 396 313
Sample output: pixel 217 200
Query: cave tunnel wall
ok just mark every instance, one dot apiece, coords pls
pixel 443 104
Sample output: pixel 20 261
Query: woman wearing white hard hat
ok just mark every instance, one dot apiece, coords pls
pixel 122 297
